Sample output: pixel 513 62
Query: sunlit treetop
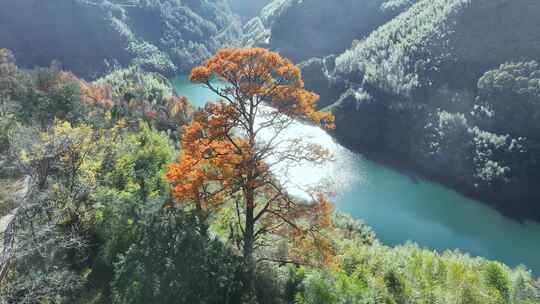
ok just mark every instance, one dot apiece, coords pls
pixel 262 76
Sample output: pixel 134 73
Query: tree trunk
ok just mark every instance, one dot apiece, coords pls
pixel 249 239
pixel 203 224
pixel 249 192
pixel 249 233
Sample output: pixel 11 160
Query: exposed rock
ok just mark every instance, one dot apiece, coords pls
pixel 15 194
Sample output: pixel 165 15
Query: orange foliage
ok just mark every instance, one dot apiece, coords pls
pixel 209 161
pixel 263 76
pixel 96 95
pixel 178 107
pixel 174 110
pixel 224 154
pixel 53 78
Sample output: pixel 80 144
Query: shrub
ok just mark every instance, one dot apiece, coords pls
pixel 172 263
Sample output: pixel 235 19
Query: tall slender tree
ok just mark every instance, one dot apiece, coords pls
pixel 232 146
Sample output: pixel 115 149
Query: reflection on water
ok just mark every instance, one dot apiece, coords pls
pixel 339 174
pixel 400 208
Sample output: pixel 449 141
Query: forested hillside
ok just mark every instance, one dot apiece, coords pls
pixel 93 37
pixel 304 29
pixel 84 174
pixel 247 9
pixel 437 88
pixel 114 188
pixel 99 226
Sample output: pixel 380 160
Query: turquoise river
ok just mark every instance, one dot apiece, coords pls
pixel 401 208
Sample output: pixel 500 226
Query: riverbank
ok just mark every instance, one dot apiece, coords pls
pixel 411 168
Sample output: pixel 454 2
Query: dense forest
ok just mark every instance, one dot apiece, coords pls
pixel 114 188
pixel 92 37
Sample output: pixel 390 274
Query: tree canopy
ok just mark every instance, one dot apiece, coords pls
pixel 225 152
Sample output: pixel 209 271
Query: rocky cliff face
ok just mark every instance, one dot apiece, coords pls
pixel 415 89
pixel 90 37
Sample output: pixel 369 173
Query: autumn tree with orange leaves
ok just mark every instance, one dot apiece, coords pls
pixel 224 154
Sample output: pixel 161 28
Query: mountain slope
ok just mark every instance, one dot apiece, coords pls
pixel 433 37
pixel 247 9
pixel 301 29
pixel 427 88
pixel 89 37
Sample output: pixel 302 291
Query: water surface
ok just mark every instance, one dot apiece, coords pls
pixel 401 208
